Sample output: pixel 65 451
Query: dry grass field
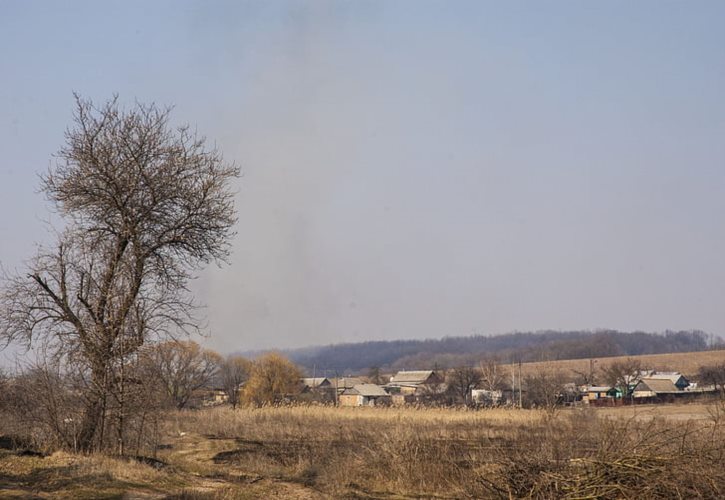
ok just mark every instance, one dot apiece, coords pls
pixel 687 363
pixel 323 452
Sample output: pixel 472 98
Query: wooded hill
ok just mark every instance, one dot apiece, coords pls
pixel 450 352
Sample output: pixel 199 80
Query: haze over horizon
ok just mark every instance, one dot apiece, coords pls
pixel 410 169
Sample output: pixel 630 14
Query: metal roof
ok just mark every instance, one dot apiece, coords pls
pixel 656 385
pixel 411 377
pixel 599 388
pixel 346 382
pixel 671 376
pixel 367 390
pixel 315 382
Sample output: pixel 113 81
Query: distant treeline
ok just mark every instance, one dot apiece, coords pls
pixel 529 346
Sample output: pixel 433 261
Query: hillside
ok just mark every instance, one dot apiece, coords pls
pixel 687 363
pixel 520 346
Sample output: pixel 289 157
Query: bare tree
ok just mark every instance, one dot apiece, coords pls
pixel 545 389
pixel 233 373
pixel 4 384
pixel 492 376
pixel 462 380
pixel 182 367
pixel 146 205
pixel 713 375
pixel 374 375
pixel 623 375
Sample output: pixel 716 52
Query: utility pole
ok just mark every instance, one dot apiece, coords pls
pixel 337 379
pixel 513 383
pixel 520 387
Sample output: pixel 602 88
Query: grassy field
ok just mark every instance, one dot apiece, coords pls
pixel 687 363
pixel 675 451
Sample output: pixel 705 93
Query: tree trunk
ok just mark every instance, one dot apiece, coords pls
pixel 95 412
pixel 92 420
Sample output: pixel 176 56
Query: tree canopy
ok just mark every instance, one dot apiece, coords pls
pixel 272 378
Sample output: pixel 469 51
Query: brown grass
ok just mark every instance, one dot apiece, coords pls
pixel 378 453
pixel 64 475
pixel 324 452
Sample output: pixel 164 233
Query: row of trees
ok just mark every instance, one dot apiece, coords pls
pixel 549 345
pixel 184 368
pixel 44 402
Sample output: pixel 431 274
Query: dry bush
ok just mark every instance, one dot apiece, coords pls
pixel 609 458
pixel 42 408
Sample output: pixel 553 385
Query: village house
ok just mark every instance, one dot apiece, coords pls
pixel 340 384
pixel 675 377
pixel 410 386
pixel 653 387
pixel 487 397
pixel 315 383
pixel 411 382
pixel 597 392
pixel 317 389
pixel 211 397
pixel 364 395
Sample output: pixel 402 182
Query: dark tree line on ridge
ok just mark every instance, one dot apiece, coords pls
pixel 520 346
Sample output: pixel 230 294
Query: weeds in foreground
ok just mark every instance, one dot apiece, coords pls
pixel 499 453
pixel 391 452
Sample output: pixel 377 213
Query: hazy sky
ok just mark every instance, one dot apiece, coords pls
pixel 411 169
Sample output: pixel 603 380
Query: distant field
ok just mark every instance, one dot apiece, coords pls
pixel 668 412
pixel 687 363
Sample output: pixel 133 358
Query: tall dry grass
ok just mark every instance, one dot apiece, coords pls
pixel 498 453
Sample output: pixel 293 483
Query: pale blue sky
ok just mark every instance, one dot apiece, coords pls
pixel 411 169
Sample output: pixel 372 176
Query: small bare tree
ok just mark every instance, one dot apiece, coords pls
pixel 146 205
pixel 623 375
pixel 492 376
pixel 182 367
pixel 374 375
pixel 233 373
pixel 42 407
pixel 713 375
pixel 545 388
pixel 462 380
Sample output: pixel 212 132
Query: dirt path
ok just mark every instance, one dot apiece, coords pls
pixel 193 456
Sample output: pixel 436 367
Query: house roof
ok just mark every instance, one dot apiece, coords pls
pixel 411 377
pixel 656 385
pixel 367 390
pixel 315 382
pixel 346 382
pixel 671 376
pixel 598 388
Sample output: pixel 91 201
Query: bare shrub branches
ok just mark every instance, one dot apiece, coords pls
pixel 233 373
pixel 181 367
